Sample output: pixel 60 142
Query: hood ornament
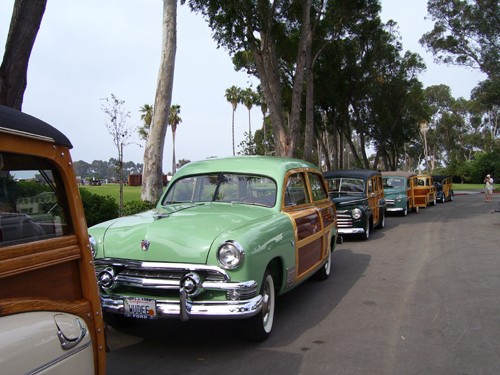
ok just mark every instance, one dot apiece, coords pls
pixel 145 245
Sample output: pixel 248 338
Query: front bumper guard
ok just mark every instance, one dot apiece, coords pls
pixel 395 209
pixel 186 309
pixel 351 230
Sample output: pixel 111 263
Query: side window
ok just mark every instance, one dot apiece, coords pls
pixel 296 192
pixel 32 200
pixel 370 186
pixel 317 187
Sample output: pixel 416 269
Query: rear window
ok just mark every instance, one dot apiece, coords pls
pixel 32 200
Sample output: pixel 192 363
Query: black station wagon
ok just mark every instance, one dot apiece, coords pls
pixel 358 195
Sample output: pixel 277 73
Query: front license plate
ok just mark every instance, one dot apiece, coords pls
pixel 141 308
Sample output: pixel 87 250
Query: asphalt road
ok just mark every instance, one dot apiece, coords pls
pixel 422 296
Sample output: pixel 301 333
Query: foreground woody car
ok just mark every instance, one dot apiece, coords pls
pixel 227 236
pixel 50 314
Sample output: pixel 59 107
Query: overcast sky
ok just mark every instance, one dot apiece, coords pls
pixel 89 49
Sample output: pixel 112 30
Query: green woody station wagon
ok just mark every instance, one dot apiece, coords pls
pixel 399 191
pixel 226 238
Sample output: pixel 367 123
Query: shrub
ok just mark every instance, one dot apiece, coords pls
pixel 134 207
pixel 98 208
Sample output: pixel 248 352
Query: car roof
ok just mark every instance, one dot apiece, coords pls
pixel 439 177
pixel 15 122
pixel 399 174
pixel 271 166
pixel 359 173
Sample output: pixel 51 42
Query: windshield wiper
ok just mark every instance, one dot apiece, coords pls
pixel 163 215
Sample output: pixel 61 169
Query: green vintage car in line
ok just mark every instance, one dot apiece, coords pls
pixel 227 237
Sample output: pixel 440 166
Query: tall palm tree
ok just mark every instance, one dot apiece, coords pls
pixel 233 96
pixel 173 120
pixel 249 98
pixel 146 117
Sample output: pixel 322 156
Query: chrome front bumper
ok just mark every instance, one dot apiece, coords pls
pixel 185 309
pixel 395 209
pixel 350 230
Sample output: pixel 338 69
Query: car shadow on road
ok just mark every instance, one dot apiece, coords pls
pixel 216 346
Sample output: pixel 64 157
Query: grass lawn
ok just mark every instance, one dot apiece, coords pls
pixel 459 187
pixel 130 193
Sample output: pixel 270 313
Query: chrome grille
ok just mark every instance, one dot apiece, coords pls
pixel 137 276
pixel 344 220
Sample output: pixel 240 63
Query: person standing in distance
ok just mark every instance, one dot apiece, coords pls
pixel 488 188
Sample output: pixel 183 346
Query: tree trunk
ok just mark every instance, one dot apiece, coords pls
pixel 285 133
pixel 232 130
pixel 298 82
pixel 267 67
pixel 152 181
pixel 24 25
pixel 309 129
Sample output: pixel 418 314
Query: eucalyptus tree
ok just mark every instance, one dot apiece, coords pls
pixel 24 25
pixel 262 31
pixel 486 99
pixel 465 33
pixel 233 96
pixel 174 120
pixel 365 88
pixel 152 179
pixel 397 107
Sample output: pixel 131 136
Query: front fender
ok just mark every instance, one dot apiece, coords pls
pixel 262 240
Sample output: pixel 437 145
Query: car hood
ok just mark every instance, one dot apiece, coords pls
pixel 393 193
pixel 183 233
pixel 344 201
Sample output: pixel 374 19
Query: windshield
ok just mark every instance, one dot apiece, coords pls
pixel 394 183
pixel 223 187
pixel 346 185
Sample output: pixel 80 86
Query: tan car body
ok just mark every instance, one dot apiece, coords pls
pixel 425 191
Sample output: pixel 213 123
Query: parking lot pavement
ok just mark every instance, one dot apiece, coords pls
pixel 421 296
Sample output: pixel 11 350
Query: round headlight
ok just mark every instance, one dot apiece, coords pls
pixel 356 213
pixel 230 255
pixel 93 246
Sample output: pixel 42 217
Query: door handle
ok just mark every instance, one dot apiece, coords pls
pixel 69 342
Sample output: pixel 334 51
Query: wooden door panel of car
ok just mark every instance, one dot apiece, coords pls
pixel 309 223
pixel 373 199
pixel 309 240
